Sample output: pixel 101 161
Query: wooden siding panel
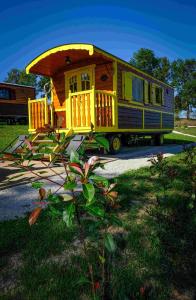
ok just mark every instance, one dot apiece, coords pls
pixel 129 118
pixel 19 94
pixel 104 69
pixel 13 110
pixel 60 119
pixel 168 91
pixel 152 120
pixel 167 121
pixel 59 90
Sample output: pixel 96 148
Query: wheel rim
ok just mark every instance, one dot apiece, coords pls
pixel 116 143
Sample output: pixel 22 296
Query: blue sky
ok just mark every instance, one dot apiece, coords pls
pixel 28 28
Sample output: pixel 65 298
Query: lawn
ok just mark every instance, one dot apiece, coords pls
pixel 45 262
pixel 187 130
pixel 174 138
pixel 9 132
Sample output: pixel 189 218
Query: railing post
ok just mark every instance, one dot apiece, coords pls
pixel 46 111
pixel 29 112
pixel 114 110
pixel 92 106
pixel 52 114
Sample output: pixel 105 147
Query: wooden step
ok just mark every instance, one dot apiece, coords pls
pixel 37 147
pixel 44 141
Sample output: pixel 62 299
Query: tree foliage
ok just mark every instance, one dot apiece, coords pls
pixel 181 74
pixel 183 78
pixel 146 60
pixel 18 76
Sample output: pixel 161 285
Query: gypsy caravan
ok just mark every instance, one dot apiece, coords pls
pixel 92 89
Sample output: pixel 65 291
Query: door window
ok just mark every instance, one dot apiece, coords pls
pixel 85 81
pixel 73 84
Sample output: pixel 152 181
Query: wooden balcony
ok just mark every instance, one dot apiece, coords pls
pixel 83 110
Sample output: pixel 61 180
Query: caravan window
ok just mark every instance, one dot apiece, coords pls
pixel 158 95
pixel 5 94
pixel 137 89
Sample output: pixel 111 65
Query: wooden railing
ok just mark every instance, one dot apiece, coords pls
pixel 80 109
pixel 38 113
pixel 84 110
pixel 105 108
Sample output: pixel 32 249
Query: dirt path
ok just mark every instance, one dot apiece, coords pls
pixel 17 195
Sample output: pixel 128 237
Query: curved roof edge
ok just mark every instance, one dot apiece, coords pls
pixel 91 48
pixel 88 47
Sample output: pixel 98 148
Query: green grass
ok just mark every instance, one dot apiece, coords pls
pixel 142 256
pixel 174 138
pixel 188 130
pixel 9 132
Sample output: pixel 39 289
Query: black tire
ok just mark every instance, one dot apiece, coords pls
pixel 115 144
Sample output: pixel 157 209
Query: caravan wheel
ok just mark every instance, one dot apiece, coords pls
pixel 115 144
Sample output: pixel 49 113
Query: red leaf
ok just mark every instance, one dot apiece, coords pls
pixel 93 160
pixel 142 291
pixel 76 168
pixel 72 164
pixel 113 194
pixel 86 168
pixel 29 144
pixel 42 193
pixel 111 186
pixel 34 215
pixel 97 285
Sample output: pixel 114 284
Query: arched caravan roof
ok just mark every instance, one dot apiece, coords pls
pixel 53 60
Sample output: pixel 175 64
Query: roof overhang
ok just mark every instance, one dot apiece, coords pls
pixel 53 60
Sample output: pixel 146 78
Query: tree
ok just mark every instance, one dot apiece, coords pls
pixel 18 76
pixel 145 60
pixel 183 77
pixel 162 71
pixel 43 85
pixel 188 96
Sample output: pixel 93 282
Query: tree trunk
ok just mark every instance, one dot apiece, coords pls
pixel 188 112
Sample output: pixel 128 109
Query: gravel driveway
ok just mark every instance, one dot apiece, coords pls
pixel 17 195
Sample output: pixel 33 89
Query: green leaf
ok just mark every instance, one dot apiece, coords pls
pixel 54 212
pixel 74 157
pixel 68 214
pixel 54 198
pixel 115 221
pixel 83 281
pixel 98 178
pixel 95 211
pixel 102 141
pixel 88 191
pixel 70 185
pixel 38 156
pixel 102 259
pixel 67 197
pixel 37 185
pixel 110 243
